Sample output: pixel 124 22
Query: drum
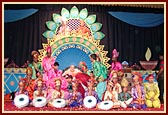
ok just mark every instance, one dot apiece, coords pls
pixel 90 101
pixel 59 103
pixel 39 102
pixel 21 100
pixel 105 105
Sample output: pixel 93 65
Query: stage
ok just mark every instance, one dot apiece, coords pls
pixel 8 106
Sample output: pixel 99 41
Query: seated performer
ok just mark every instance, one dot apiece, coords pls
pixel 57 93
pixel 75 98
pixel 30 83
pixel 138 93
pixel 35 65
pixel 22 90
pixel 124 97
pixel 152 92
pixel 115 85
pixel 90 91
pixel 40 92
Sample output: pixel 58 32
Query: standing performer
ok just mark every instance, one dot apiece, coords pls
pixel 152 92
pixel 35 65
pixel 116 65
pixel 160 77
pixel 98 69
pixel 48 66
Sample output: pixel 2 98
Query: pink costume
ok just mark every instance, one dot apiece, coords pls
pixel 47 64
pixel 115 65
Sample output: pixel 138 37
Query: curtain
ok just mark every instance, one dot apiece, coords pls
pixel 139 19
pixel 15 15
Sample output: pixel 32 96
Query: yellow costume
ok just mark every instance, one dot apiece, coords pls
pixel 152 94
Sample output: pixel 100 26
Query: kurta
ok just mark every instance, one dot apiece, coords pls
pixel 115 66
pixel 152 91
pixel 75 100
pixel 138 95
pixel 36 94
pixel 36 67
pixel 99 70
pixel 125 99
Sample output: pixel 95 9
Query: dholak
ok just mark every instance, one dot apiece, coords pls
pixel 90 101
pixel 59 103
pixel 21 100
pixel 105 105
pixel 39 102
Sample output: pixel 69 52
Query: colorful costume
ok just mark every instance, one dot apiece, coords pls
pixel 100 89
pixel 138 92
pixel 152 91
pixel 47 64
pixel 99 70
pixel 75 98
pixel 35 65
pixel 30 83
pixel 115 65
pixel 124 97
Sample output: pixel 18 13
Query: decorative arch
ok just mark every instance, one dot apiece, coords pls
pixel 74 45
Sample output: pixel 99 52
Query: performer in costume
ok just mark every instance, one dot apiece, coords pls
pixel 101 88
pixel 90 91
pixel 124 97
pixel 138 93
pixel 30 83
pixel 75 98
pixel 22 90
pixel 115 85
pixel 64 27
pixel 40 92
pixel 48 66
pixel 98 69
pixel 35 65
pixel 69 80
pixel 116 65
pixel 83 67
pixel 152 92
pixel 58 74
pixel 57 93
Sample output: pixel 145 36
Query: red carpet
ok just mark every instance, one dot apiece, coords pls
pixel 9 107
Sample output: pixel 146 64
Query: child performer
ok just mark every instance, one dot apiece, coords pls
pixel 152 92
pixel 124 97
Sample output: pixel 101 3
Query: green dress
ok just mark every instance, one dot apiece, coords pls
pixel 99 70
pixel 34 65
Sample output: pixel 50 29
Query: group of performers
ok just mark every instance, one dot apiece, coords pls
pixel 45 85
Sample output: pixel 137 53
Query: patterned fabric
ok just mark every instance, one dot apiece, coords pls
pixel 152 91
pixel 75 100
pixel 124 96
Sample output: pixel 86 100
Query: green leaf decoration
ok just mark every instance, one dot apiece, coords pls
pixel 96 27
pixel 65 13
pixel 74 12
pixel 83 14
pixel 51 25
pixel 98 35
pixel 48 34
pixel 56 18
pixel 91 19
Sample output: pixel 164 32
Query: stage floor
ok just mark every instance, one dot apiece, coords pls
pixel 8 106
